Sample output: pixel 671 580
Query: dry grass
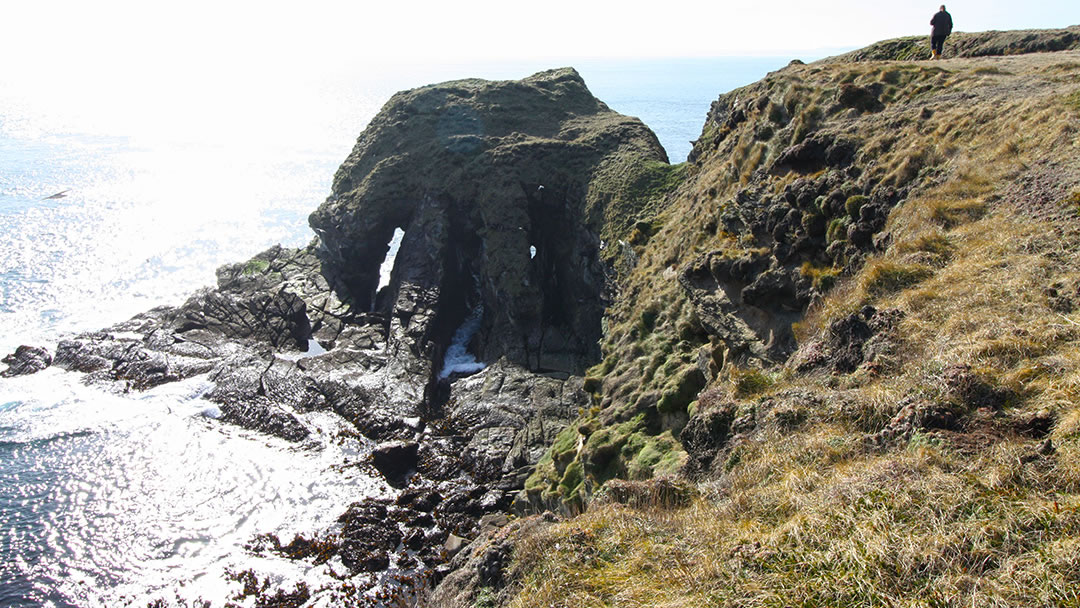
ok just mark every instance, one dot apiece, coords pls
pixel 815 516
pixel 812 520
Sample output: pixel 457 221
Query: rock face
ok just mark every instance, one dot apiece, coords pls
pixel 502 191
pixel 507 193
pixel 26 360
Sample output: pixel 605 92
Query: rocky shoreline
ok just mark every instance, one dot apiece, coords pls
pixel 507 193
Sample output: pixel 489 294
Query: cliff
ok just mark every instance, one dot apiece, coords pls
pixel 844 369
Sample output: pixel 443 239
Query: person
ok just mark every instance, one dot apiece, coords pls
pixel 942 27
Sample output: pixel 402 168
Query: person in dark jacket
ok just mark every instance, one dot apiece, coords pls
pixel 942 27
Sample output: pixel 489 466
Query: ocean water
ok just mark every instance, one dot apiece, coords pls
pixel 112 499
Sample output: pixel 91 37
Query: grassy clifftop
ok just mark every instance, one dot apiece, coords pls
pixel 853 335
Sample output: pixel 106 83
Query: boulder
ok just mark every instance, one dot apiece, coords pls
pixel 26 360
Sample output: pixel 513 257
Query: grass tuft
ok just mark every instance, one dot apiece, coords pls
pixel 883 277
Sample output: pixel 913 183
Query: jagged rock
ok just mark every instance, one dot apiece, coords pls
pixel 482 564
pixel 26 360
pixel 511 415
pixel 506 193
pixel 753 321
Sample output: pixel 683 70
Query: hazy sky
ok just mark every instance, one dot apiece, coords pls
pixel 71 36
pixel 129 63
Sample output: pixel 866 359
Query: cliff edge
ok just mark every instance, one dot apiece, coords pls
pixel 845 368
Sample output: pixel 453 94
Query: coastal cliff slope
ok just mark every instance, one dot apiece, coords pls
pixel 832 359
pixel 844 369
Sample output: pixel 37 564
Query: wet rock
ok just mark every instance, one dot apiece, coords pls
pixel 419 499
pixel 26 360
pixel 414 540
pixel 395 460
pixel 368 537
pixel 139 361
pixel 279 318
pixel 421 520
pixel 73 356
pixel 264 416
pixel 439 458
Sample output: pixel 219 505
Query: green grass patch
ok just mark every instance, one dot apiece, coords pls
pixel 656 179
pixel 823 278
pixel 255 266
pixel 854 204
pixel 750 381
pixel 837 230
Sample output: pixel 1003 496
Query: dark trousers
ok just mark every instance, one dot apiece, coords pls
pixel 937 43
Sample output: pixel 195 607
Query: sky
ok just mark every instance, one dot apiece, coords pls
pixel 69 37
pixel 139 61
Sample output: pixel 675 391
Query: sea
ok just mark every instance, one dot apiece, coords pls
pixel 125 196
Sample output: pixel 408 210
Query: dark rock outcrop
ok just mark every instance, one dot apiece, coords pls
pixel 851 341
pixel 476 173
pixel 482 567
pixel 26 360
pixel 705 436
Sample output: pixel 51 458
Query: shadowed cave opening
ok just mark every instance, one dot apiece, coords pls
pixel 566 267
pixel 534 295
